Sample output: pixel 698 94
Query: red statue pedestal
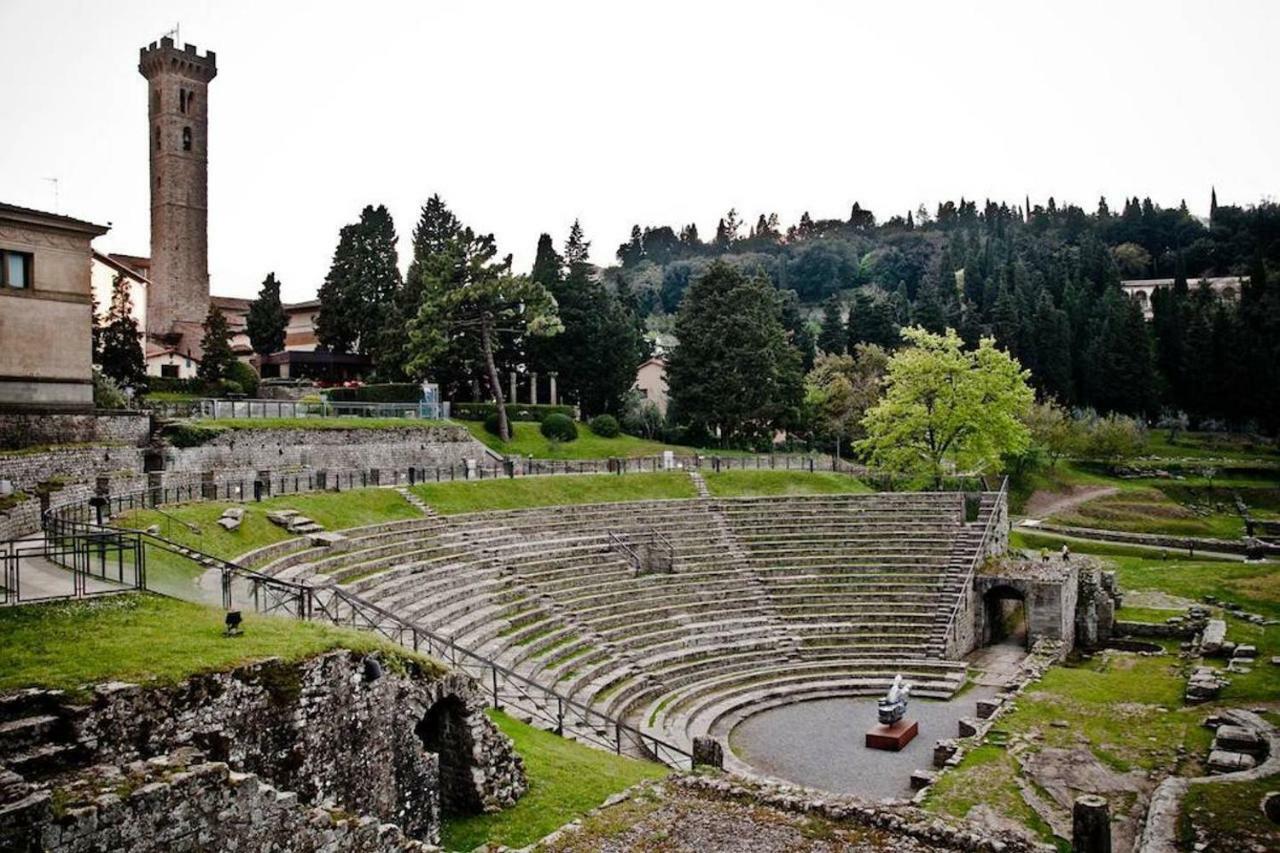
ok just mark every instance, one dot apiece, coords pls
pixel 894 737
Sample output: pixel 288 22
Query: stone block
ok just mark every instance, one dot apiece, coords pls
pixel 968 727
pixel 708 751
pixel 1238 739
pixel 987 707
pixel 1245 651
pixel 1271 806
pixel 943 750
pixel 922 779
pixel 1215 634
pixel 1222 761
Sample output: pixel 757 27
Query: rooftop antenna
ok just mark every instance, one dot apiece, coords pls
pixel 56 201
pixel 176 33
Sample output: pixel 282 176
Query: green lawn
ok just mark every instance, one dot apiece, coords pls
pixel 145 638
pixel 566 779
pixel 736 484
pixel 450 498
pixel 335 510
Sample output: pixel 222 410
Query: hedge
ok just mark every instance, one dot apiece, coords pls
pixel 515 411
pixel 190 435
pixel 389 392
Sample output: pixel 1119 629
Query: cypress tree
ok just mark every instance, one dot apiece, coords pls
pixel 266 321
pixel 218 357
pixel 120 341
pixel 833 337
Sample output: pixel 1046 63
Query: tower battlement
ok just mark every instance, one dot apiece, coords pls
pixel 166 57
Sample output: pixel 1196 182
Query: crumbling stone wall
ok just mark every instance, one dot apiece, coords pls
pixel 1098 598
pixel 183 802
pixel 26 470
pixel 340 727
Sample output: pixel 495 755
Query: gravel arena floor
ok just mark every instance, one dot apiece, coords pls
pixel 663 818
pixel 819 744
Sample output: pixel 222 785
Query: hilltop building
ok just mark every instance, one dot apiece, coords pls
pixel 1141 289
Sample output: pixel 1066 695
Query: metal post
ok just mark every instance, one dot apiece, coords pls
pixel 496 705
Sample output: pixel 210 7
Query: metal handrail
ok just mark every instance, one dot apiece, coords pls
pixel 616 543
pixel 978 556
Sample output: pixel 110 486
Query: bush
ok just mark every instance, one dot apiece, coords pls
pixel 190 435
pixel 605 426
pixel 387 392
pixel 106 393
pixel 515 411
pixel 491 424
pixel 244 376
pixel 228 387
pixel 558 427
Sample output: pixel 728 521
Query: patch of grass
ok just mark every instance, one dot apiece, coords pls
pixel 1151 510
pixel 334 510
pixel 1146 614
pixel 737 484
pixel 149 639
pixel 449 498
pixel 566 780
pixel 1230 816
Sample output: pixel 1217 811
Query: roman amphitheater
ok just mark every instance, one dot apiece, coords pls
pixel 669 625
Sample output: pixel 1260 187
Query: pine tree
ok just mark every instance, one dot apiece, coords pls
pixel 547 263
pixel 929 311
pixel 120 341
pixel 631 252
pixel 871 321
pixel 362 286
pixel 733 373
pixel 833 337
pixel 218 357
pixel 267 321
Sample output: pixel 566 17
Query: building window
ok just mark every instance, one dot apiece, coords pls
pixel 182 100
pixel 186 139
pixel 169 371
pixel 15 269
pixel 155 100
pixel 157 137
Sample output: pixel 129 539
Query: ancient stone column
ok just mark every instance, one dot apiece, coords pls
pixel 1091 825
pixel 512 395
pixel 552 377
pixel 533 389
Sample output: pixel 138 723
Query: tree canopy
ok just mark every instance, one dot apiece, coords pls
pixel 266 321
pixel 945 406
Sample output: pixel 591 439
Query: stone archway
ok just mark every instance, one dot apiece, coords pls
pixel 444 730
pixel 1006 618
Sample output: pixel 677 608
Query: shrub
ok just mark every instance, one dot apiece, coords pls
pixel 106 393
pixel 190 435
pixel 605 426
pixel 244 376
pixel 515 411
pixel 227 387
pixel 491 424
pixel 559 427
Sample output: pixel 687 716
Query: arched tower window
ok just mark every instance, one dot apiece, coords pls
pixel 186 139
pixel 155 100
pixel 182 100
pixel 157 137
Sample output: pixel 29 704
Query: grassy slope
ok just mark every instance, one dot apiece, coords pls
pixel 335 510
pixel 450 498
pixel 765 482
pixel 566 779
pixel 144 638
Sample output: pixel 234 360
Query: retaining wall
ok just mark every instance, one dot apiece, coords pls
pixel 34 427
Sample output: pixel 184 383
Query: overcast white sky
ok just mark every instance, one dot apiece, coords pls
pixel 524 115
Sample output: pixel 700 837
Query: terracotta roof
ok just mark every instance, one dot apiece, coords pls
pixel 120 267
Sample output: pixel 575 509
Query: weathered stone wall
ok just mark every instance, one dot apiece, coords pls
pixel 20 519
pixel 182 802
pixel 29 428
pixel 329 449
pixel 26 470
pixel 1098 599
pixel 326 728
pixel 1048 592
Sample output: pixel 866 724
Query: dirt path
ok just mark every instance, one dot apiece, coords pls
pixel 1045 504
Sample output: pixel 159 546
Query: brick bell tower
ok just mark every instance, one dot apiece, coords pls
pixel 178 139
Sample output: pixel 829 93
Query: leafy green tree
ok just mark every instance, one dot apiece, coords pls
pixel 266 321
pixel 363 282
pixel 833 337
pixel 841 388
pixel 466 296
pixel 733 373
pixel 218 357
pixel 1114 439
pixel 945 405
pixel 1053 431
pixel 120 341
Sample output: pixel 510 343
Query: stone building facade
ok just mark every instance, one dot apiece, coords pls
pixel 178 139
pixel 45 310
